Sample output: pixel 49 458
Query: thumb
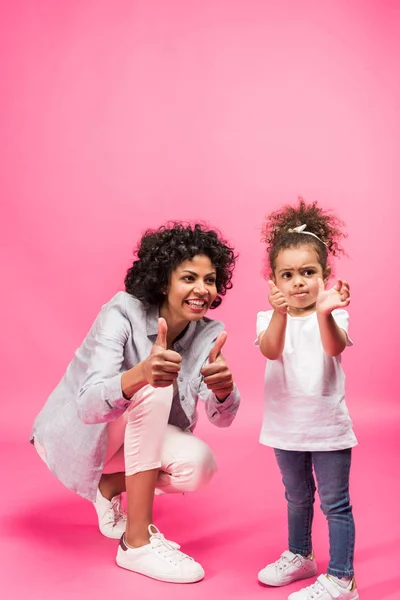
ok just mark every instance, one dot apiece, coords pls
pixel 321 285
pixel 216 349
pixel 162 333
pixel 272 285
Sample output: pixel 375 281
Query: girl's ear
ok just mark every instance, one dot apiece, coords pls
pixel 327 273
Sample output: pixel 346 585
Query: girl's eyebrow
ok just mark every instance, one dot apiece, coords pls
pixel 284 270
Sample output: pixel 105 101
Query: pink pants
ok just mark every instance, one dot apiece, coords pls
pixel 141 439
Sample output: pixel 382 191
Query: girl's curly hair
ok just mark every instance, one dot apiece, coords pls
pixel 322 223
pixel 161 251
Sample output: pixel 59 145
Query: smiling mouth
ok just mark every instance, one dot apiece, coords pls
pixel 199 304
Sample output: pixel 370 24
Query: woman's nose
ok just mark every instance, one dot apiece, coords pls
pixel 200 289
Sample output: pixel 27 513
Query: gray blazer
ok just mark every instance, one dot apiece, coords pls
pixel 72 426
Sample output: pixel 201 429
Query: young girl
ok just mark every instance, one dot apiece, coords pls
pixel 123 414
pixel 306 419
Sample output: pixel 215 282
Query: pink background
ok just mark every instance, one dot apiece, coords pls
pixel 117 116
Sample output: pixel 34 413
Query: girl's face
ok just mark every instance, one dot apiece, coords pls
pixel 296 275
pixel 192 289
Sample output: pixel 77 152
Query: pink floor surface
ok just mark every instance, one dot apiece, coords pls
pixel 50 547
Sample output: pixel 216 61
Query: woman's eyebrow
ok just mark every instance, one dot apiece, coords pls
pixel 196 274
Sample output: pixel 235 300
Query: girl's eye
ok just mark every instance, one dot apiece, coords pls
pixel 286 275
pixel 309 272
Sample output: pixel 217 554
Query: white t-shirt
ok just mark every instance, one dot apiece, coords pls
pixel 305 407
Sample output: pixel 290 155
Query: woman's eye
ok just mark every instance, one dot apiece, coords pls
pixel 188 278
pixel 210 281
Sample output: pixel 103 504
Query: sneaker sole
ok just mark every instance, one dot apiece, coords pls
pixel 194 579
pixel 272 583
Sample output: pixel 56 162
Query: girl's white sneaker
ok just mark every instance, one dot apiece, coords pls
pixel 288 568
pixel 160 559
pixel 326 588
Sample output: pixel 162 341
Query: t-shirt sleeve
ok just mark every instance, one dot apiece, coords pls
pixel 263 320
pixel 341 317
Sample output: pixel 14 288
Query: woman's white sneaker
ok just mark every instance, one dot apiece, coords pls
pixel 289 567
pixel 326 588
pixel 160 559
pixel 111 515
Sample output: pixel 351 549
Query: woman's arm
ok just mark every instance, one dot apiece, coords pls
pixel 217 388
pixel 107 390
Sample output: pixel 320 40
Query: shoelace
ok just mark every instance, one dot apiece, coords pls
pixel 315 590
pixel 169 550
pixel 282 563
pixel 119 513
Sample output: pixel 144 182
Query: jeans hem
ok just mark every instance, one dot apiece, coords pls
pixel 340 574
pixel 302 552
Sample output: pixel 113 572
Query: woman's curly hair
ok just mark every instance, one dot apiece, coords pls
pixel 276 234
pixel 161 251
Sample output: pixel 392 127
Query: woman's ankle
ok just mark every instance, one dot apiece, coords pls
pixel 138 536
pixel 108 486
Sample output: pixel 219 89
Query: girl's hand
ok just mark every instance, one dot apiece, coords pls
pixel 217 375
pixel 276 299
pixel 337 297
pixel 161 367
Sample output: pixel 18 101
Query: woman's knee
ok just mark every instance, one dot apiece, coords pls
pixel 201 467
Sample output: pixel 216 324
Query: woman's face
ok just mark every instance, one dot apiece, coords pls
pixel 192 289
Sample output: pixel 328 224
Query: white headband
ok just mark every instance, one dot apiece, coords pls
pixel 301 228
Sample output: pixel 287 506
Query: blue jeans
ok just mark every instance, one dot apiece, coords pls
pixel 332 470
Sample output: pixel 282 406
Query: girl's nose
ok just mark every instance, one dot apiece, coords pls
pixel 298 280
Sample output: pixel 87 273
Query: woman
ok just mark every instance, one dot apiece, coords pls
pixel 122 417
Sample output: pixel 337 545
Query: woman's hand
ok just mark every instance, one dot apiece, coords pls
pixel 276 299
pixel 217 375
pixel 162 366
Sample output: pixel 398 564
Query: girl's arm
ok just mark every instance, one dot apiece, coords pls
pixel 333 338
pixel 272 340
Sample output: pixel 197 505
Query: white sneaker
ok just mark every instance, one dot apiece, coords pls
pixel 160 559
pixel 289 567
pixel 112 517
pixel 326 588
